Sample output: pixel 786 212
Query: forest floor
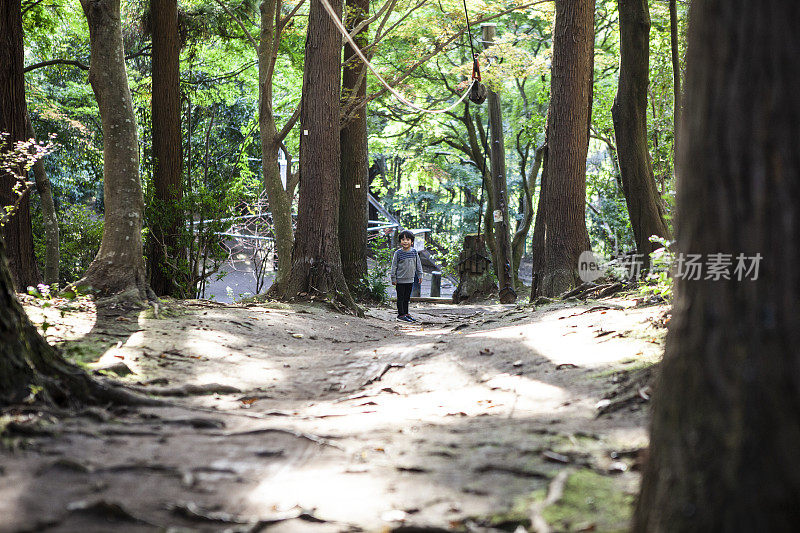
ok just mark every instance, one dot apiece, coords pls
pixel 295 418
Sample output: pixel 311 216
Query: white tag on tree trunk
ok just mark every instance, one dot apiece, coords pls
pixel 498 215
pixel 358 185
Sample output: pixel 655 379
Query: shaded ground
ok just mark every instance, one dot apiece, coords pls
pixel 330 423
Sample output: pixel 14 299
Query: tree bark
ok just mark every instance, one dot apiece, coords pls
pixel 355 158
pixel 28 363
pixel 676 70
pixel 280 199
pixel 562 200
pixel 528 188
pixel 316 263
pixel 52 252
pixel 119 264
pixel 16 232
pixel 503 267
pixel 629 114
pixel 723 453
pixel 167 148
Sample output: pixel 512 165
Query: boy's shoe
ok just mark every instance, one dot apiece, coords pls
pixel 405 318
pixel 410 318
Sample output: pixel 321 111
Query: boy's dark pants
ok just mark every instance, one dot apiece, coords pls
pixel 403 297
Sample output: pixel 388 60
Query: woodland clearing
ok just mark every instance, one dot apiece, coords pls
pixel 297 418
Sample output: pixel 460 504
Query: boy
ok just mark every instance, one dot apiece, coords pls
pixel 406 270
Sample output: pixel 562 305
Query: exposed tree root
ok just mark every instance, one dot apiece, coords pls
pixel 188 390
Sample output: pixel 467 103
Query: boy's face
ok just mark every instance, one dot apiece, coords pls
pixel 405 243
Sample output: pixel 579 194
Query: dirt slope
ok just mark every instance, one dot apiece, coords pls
pixel 326 422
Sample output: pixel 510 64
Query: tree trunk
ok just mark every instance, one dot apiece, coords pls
pixel 28 363
pixel 503 267
pixel 16 232
pixel 528 188
pixel 51 231
pixel 316 263
pixel 676 70
pixel 119 264
pixel 629 113
pixel 355 158
pixel 167 219
pixel 723 453
pixel 537 239
pixel 280 199
pixel 563 199
pixel 480 146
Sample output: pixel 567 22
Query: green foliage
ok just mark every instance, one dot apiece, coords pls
pixel 81 231
pixel 374 286
pixel 659 280
pixel 199 251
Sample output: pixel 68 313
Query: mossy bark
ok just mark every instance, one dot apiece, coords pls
pixel 119 266
pixel 723 452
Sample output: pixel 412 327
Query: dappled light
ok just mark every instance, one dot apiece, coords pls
pixel 341 266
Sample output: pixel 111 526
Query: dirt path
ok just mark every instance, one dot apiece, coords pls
pixel 328 423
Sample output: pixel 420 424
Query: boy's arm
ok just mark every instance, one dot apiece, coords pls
pixel 393 269
pixel 419 268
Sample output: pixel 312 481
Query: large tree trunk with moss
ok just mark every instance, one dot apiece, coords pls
pixel 280 199
pixel 629 113
pixel 119 264
pixel 563 199
pixel 166 219
pixel 316 263
pixel 355 160
pixel 723 452
pixel 32 369
pixel 16 231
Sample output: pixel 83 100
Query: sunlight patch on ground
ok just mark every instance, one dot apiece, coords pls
pixel 331 491
pixel 583 344
pixel 443 400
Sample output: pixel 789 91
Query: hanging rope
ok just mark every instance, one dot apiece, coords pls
pixel 477 91
pixel 338 23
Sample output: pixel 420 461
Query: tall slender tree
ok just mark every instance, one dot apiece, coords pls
pixel 279 197
pixel 316 260
pixel 119 264
pixel 167 147
pixel 16 231
pixel 562 198
pixel 629 114
pixel 676 67
pixel 52 253
pixel 723 452
pixel 354 172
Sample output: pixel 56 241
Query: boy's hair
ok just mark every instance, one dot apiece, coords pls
pixel 407 234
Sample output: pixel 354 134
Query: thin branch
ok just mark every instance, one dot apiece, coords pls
pixel 31 6
pixel 288 17
pixel 240 23
pixel 289 124
pixel 70 62
pixel 435 51
pixel 225 76
pixel 389 4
